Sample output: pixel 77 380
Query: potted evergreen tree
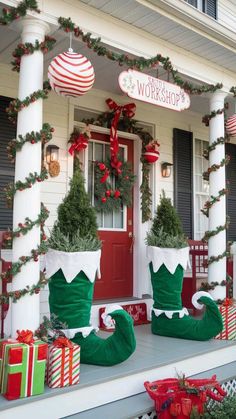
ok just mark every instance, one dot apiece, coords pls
pixel 72 263
pixel 168 255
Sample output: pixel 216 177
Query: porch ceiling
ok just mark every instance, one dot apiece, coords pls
pixel 181 25
pixel 106 71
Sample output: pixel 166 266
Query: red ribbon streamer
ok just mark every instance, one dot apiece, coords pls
pixel 80 143
pixel 127 110
pixel 25 336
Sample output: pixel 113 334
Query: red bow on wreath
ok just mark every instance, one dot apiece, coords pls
pixel 127 110
pixel 80 143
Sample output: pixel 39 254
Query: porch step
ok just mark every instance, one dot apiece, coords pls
pixel 138 405
pixel 155 357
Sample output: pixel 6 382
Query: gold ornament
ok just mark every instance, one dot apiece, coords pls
pixel 54 168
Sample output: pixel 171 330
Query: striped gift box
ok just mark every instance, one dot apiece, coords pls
pixel 63 367
pixel 229 322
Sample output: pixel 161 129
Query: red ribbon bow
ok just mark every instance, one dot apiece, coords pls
pixel 62 342
pixel 127 110
pixel 80 143
pixel 228 302
pixel 25 336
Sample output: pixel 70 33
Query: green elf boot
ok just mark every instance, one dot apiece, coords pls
pixel 169 318
pixel 72 302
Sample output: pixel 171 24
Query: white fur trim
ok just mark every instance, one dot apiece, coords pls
pixel 106 318
pixel 169 313
pixel 70 333
pixel 198 295
pixel 171 258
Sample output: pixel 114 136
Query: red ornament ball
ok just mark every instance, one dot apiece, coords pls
pixel 102 166
pixel 104 199
pixel 117 194
pixel 230 126
pixel 108 193
pixel 151 156
pixel 71 74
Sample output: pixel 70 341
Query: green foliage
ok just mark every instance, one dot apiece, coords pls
pixel 48 329
pixel 76 227
pixel 60 241
pixel 224 410
pixel 166 229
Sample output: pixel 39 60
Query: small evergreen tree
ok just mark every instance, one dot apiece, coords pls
pixel 166 229
pixel 76 226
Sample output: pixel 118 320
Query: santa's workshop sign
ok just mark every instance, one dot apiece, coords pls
pixel 149 89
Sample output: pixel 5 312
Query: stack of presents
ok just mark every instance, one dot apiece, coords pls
pixel 26 362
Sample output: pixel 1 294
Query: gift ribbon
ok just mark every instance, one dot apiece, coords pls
pixel 79 144
pixel 127 110
pixel 64 343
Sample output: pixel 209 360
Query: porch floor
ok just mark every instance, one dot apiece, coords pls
pixel 156 357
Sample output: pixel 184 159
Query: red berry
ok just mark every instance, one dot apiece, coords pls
pixel 32 141
pixel 104 199
pixel 117 194
pixel 108 193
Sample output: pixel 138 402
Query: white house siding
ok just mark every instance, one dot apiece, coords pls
pixel 226 13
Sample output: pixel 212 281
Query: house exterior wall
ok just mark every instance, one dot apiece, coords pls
pixel 226 13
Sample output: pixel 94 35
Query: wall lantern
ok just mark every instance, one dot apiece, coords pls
pixel 166 169
pixel 52 157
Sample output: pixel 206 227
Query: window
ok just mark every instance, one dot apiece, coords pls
pixel 206 6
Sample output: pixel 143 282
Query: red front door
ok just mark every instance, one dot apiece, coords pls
pixel 115 230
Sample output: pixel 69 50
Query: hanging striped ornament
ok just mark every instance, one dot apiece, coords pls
pixel 230 126
pixel 71 74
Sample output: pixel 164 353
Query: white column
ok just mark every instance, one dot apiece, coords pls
pixel 217 213
pixel 25 313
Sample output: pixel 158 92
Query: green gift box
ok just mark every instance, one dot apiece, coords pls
pixel 22 368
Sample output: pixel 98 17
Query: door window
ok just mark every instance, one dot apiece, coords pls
pixel 100 151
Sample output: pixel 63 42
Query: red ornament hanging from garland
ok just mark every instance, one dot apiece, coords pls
pixel 151 154
pixel 127 110
pixel 112 189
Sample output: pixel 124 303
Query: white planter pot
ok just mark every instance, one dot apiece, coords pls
pixel 218 293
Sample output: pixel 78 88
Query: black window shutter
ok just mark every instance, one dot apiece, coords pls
pixel 7 169
pixel 183 178
pixel 210 8
pixel 230 149
pixel 192 2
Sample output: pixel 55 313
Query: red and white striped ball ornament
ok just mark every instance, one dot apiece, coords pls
pixel 71 74
pixel 230 126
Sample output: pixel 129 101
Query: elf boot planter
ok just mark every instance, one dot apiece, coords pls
pixel 71 298
pixel 169 318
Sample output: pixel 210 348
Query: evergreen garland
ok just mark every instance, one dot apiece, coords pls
pixel 111 196
pixel 29 48
pixel 8 15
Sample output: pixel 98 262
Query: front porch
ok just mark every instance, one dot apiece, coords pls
pixel 156 357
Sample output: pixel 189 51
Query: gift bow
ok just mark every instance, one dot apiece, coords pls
pixel 25 336
pixel 228 302
pixel 127 110
pixel 62 342
pixel 80 143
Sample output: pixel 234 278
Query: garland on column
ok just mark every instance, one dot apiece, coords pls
pixel 214 199
pixel 44 135
pixel 28 48
pixel 8 15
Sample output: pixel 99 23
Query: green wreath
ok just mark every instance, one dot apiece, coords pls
pixel 112 189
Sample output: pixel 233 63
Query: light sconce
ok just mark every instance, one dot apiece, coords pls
pixel 52 157
pixel 166 169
